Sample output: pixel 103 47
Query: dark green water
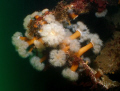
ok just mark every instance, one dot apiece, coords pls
pixel 16 74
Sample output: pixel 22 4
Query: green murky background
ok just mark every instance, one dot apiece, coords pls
pixel 16 74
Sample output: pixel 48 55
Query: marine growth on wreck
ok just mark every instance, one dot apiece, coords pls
pixel 51 38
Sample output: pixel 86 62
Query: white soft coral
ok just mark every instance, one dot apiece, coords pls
pixel 97 43
pixel 39 45
pixel 57 58
pixel 49 18
pixel 21 46
pixel 82 28
pixel 35 62
pixel 74 45
pixel 28 18
pixel 101 14
pixel 69 74
pixel 52 34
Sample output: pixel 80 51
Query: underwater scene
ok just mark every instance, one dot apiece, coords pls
pixel 60 45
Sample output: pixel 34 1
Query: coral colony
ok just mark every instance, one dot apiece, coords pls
pixel 51 38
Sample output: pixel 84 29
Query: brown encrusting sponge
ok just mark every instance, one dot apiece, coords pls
pixel 109 59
